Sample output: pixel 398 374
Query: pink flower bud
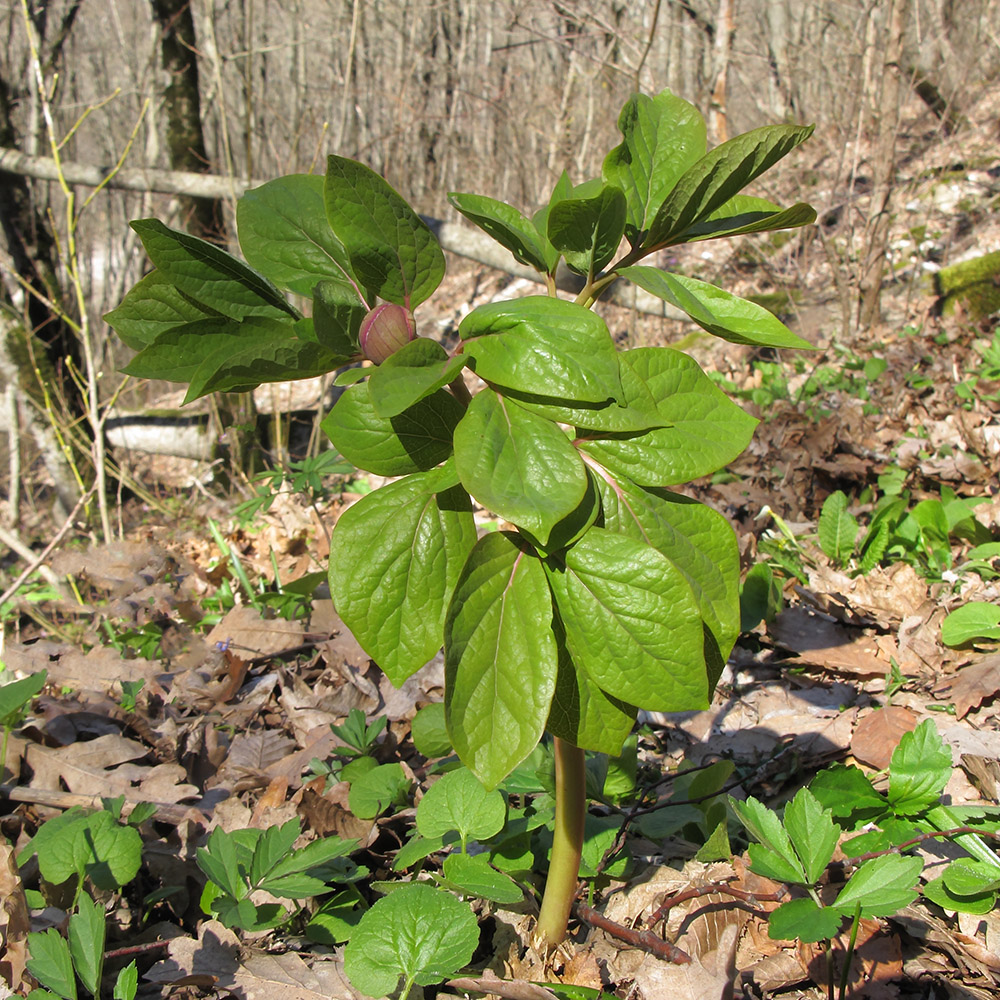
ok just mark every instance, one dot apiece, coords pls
pixel 385 330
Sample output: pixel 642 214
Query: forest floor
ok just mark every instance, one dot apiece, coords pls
pixel 219 612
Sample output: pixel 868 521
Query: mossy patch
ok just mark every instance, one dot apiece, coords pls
pixel 973 283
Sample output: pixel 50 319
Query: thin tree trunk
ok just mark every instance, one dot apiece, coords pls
pixel 721 49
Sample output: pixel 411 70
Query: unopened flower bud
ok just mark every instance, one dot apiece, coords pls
pixel 385 330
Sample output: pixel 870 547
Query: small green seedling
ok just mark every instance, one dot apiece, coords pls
pixel 15 700
pixel 242 861
pixel 130 692
pixel 358 735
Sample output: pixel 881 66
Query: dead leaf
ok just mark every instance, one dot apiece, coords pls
pixel 824 643
pixel 84 767
pixel 975 684
pixel 878 734
pixel 327 813
pixel 251 635
pixel 506 989
pixel 250 754
pixel 15 923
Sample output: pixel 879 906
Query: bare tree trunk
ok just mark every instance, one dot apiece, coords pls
pixel 721 49
pixel 877 235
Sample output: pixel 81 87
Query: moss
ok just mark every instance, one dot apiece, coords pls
pixel 973 283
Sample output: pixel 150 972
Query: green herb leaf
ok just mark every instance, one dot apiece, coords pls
pixel 587 231
pixel 395 557
pixel 474 876
pixel 429 731
pixel 805 920
pixel 509 228
pixel 976 903
pixel 416 370
pixel 391 249
pixel 274 846
pixel 663 137
pixel 966 877
pixel 418 934
pixel 763 824
pixel 813 833
pixel 413 441
pixel 847 793
pixel 543 347
pixel 721 313
pixel 127 983
pixel 86 942
pixel 217 859
pixel 500 657
pixel 918 770
pixel 374 792
pixel 837 528
pixel 211 276
pixel 882 886
pixel 284 233
pixel 518 464
pixel 707 430
pixel 743 214
pixel 50 963
pixel 17 694
pixel 632 622
pixel 459 801
pixel 337 317
pixel 717 176
pixel 972 622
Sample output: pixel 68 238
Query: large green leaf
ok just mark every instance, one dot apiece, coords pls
pixel 395 556
pixel 508 227
pixel 716 310
pixel 413 441
pixel 337 317
pixel 266 360
pixel 632 622
pixel 391 249
pixel 717 176
pixel 176 354
pixel 284 233
pixel 587 231
pixel 583 714
pixel 744 214
pixel 543 346
pixel 153 306
pixel 416 370
pixel 500 657
pixel 707 430
pixel 209 275
pixel 696 539
pixel 663 136
pixel 517 464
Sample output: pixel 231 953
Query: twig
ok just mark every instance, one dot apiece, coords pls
pixel 166 812
pixel 44 554
pixel 136 949
pixel 751 898
pixel 646 940
pixel 899 848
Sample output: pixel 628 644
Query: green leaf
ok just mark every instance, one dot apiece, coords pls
pixel 938 892
pixel 882 886
pixel 153 306
pixel 253 362
pixel 760 597
pixel 395 557
pixel 632 622
pixel 337 317
pixel 805 920
pixel 508 227
pixel 600 833
pixel 475 877
pixel 764 826
pixel 335 920
pixel 707 430
pixel 721 173
pixel 315 855
pixel 429 731
pixel 391 249
pixel 972 622
pixel 587 231
pixel 716 846
pixel 86 942
pixel 285 235
pixel 458 801
pixel 17 694
pixel 50 963
pixel 413 441
pixel 743 214
pixel 416 370
pixel 217 859
pixel 209 275
pixel 696 539
pixel 107 852
pixel 714 309
pixel 837 529
pixel 966 877
pixel 585 715
pixel 517 464
pixel 847 793
pixel 500 657
pixel 274 846
pixel 663 136
pixel 374 792
pixel 918 771
pixel 544 347
pixel 813 833
pixel 127 983
pixel 417 934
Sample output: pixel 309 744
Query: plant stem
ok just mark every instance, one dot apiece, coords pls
pixel 567 842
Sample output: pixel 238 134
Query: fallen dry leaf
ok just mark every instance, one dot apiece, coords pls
pixel 15 923
pixel 975 684
pixel 878 733
pixel 824 643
